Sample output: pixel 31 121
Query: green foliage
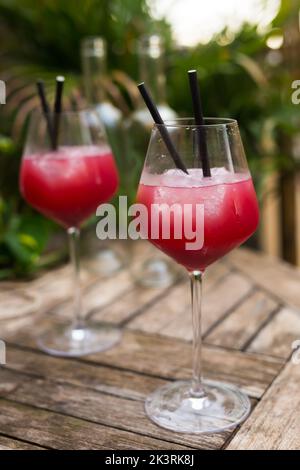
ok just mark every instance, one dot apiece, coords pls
pixel 23 233
pixel 237 81
pixel 42 39
pixel 23 237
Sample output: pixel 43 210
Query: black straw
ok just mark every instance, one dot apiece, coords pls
pixel 57 108
pixel 45 108
pixel 162 129
pixel 199 121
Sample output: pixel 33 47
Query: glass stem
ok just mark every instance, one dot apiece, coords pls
pixel 74 234
pixel 196 294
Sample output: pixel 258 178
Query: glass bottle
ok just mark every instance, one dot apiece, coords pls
pixel 156 271
pixel 93 61
pixel 93 57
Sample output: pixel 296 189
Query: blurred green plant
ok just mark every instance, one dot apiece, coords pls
pixel 240 77
pixel 239 80
pixel 23 233
pixel 41 40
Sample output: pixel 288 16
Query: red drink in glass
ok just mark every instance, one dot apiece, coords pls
pixel 67 185
pixel 230 211
pixel 196 219
pixel 66 179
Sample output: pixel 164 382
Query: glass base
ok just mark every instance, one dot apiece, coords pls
pixel 174 407
pixel 157 272
pixel 106 262
pixel 74 342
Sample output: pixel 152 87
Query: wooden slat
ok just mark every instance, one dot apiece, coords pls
pixel 297 214
pixel 132 301
pixel 250 319
pixel 96 407
pixel 171 358
pixel 17 301
pixel 118 291
pixel 275 422
pixel 99 294
pixel 7 443
pixel 121 308
pixel 9 328
pixel 278 278
pixel 217 302
pixel 55 286
pixel 287 188
pixel 101 378
pixel 130 304
pixel 277 337
pixel 176 303
pixel 243 323
pixel 57 431
pixel 47 291
pixel 270 235
pixel 161 313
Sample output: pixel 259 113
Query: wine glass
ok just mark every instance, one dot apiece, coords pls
pixel 67 183
pixel 201 219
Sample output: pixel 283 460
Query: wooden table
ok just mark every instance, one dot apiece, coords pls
pixel 251 318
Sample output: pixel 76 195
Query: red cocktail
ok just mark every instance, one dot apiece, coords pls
pixel 67 185
pixel 211 193
pixel 66 178
pixel 230 212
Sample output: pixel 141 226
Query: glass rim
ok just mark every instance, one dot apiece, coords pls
pixel 209 122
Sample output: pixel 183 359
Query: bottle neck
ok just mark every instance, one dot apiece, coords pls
pixel 152 73
pixel 93 69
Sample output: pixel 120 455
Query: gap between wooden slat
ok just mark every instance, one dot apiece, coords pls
pixel 243 322
pixel 155 358
pixel 274 424
pixel 19 440
pixel 94 424
pixel 262 326
pixel 185 440
pixel 228 312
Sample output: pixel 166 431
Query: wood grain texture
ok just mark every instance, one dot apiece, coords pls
pixel 102 409
pixel 99 294
pixel 276 338
pixel 175 307
pixel 237 329
pixel 17 301
pixel 129 304
pixel 270 235
pixel 7 443
pixel 280 279
pixel 250 320
pixel 96 377
pixel 57 431
pixel 275 422
pixel 217 302
pixel 170 358
pixel 56 286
